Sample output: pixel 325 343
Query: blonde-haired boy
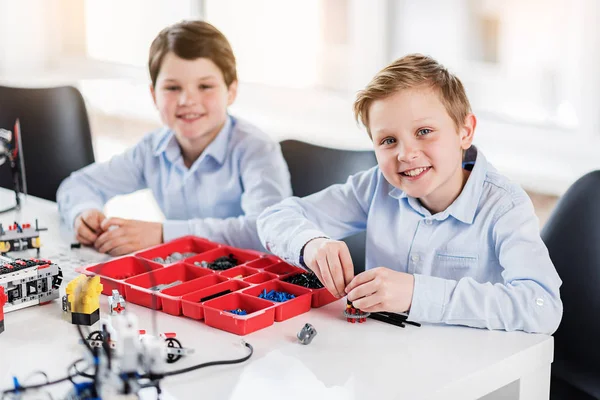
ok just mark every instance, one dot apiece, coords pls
pixel 449 239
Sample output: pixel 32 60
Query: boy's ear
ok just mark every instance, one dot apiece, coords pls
pixel 153 93
pixel 467 132
pixel 232 92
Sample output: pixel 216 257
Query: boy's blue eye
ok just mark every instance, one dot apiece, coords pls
pixel 423 131
pixel 388 141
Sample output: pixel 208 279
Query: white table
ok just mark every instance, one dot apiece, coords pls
pixel 344 361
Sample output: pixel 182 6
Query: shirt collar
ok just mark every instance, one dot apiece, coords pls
pixel 166 143
pixel 465 205
pixel 217 149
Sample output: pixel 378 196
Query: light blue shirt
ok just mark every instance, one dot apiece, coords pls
pixel 481 262
pixel 239 174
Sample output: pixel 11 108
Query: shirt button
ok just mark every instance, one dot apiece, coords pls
pixel 415 257
pixel 428 222
pixel 539 301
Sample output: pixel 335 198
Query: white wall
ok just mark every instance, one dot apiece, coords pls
pixel 28 41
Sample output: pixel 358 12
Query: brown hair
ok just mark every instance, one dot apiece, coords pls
pixel 408 72
pixel 191 40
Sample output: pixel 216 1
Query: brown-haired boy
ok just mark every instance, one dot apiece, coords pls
pixel 449 240
pixel 211 173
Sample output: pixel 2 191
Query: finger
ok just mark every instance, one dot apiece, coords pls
pixel 374 308
pixel 91 222
pixel 84 241
pixel 326 274
pixel 335 269
pixel 121 250
pixel 361 279
pixel 84 232
pixel 367 302
pixel 100 217
pixel 366 289
pixel 108 222
pixel 347 266
pixel 112 244
pixel 108 236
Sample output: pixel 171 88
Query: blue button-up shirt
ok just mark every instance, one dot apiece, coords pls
pixel 239 174
pixel 481 262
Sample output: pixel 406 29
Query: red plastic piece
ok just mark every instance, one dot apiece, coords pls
pixel 190 303
pixel 322 297
pixel 242 256
pixel 287 309
pixel 113 273
pixel 138 288
pixel 259 278
pixel 264 262
pixel 239 272
pixel 3 300
pixel 261 313
pixel 283 268
pixel 134 275
pixel 186 244
pixel 171 298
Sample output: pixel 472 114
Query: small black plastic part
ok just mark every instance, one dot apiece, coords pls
pixel 213 296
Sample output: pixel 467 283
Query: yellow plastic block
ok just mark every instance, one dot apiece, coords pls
pixel 83 294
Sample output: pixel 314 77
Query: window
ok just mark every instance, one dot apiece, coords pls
pixel 513 56
pixel 121 31
pixel 330 44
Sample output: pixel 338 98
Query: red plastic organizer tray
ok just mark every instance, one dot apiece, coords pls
pixel 187 286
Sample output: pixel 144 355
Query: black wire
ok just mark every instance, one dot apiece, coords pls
pixel 79 373
pixel 34 373
pixel 39 372
pixel 151 376
pixel 69 377
pixel 106 345
pixel 204 365
pixel 84 339
pixel 39 385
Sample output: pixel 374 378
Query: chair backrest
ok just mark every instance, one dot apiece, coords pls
pixel 572 235
pixel 56 135
pixel 313 168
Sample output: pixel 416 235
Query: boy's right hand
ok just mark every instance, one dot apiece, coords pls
pixel 330 260
pixel 88 226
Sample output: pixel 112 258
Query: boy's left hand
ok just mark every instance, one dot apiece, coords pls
pixel 381 289
pixel 123 236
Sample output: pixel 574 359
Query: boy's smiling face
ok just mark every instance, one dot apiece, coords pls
pixel 192 99
pixel 417 145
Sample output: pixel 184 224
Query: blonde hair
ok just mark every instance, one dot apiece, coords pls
pixel 411 71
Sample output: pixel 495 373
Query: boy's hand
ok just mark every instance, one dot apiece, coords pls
pixel 123 236
pixel 88 226
pixel 330 260
pixel 381 289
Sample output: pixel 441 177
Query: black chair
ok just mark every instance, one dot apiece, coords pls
pixel 313 168
pixel 55 131
pixel 572 235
